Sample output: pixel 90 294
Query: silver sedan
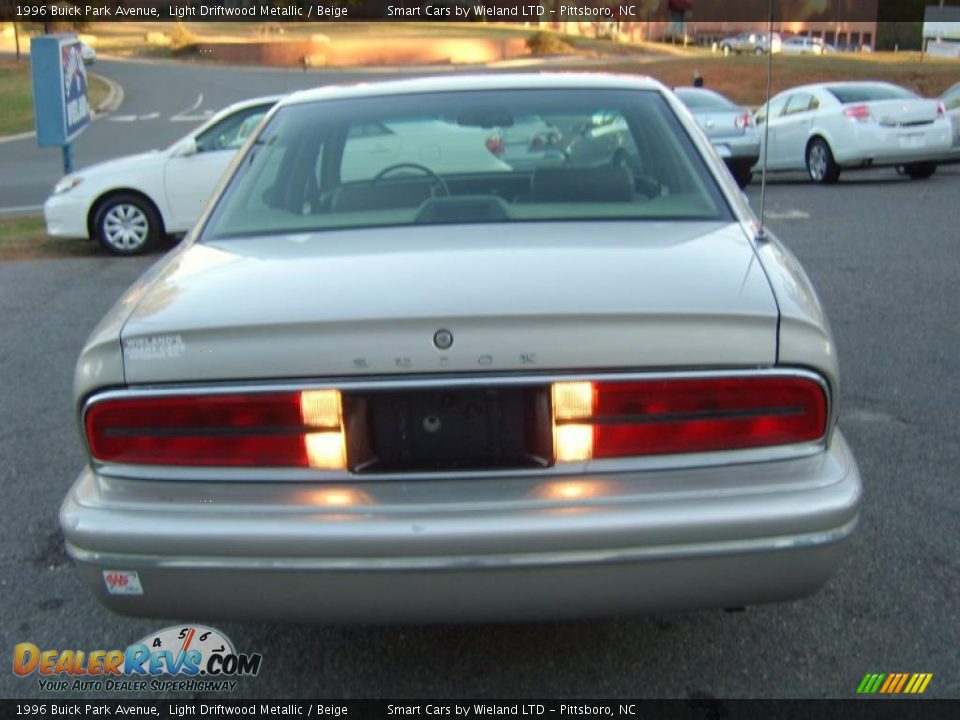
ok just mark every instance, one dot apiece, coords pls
pixel 413 394
pixel 729 127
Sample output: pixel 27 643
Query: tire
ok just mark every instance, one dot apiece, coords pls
pixel 821 167
pixel 127 224
pixel 742 175
pixel 920 170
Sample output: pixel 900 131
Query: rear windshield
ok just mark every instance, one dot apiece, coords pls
pixel 467 157
pixel 865 93
pixel 703 100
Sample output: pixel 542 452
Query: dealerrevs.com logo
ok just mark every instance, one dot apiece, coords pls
pixel 198 658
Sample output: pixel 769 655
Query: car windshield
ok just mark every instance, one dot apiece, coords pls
pixel 443 158
pixel 704 100
pixel 865 93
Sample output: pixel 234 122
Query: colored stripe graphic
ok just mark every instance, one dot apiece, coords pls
pixel 870 683
pixel 894 683
pixel 918 683
pixel 890 683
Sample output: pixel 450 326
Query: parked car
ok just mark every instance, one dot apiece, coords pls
pixel 378 150
pixel 800 45
pixel 827 128
pixel 88 54
pixel 551 392
pixel 750 42
pixel 528 142
pixel 129 203
pixel 729 127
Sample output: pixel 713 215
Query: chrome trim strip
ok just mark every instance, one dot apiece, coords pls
pixel 771 453
pixel 470 562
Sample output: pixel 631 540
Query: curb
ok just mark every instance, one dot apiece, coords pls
pixel 114 97
pixel 109 104
pixel 18 136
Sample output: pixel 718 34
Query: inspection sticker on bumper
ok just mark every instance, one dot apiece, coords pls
pixel 122 582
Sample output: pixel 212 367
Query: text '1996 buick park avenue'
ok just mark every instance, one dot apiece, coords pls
pixel 387 380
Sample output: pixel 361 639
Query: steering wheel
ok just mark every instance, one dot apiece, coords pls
pixel 437 180
pixel 646 185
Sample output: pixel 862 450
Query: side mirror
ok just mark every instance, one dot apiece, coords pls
pixel 187 148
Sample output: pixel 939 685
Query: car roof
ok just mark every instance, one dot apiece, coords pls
pixel 834 84
pixel 694 90
pixel 459 83
pixel 251 102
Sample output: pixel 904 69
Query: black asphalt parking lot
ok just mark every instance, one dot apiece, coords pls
pixel 883 254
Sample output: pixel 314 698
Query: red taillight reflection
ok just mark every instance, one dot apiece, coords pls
pixel 234 430
pixel 859 113
pixel 494 144
pixel 743 121
pixel 654 417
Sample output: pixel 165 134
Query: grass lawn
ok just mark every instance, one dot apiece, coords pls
pixel 744 78
pixel 16 96
pixel 24 238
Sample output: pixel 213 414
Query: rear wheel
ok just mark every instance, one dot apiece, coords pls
pixel 127 224
pixel 742 175
pixel 920 170
pixel 821 166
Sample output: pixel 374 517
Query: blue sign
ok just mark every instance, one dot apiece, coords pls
pixel 59 89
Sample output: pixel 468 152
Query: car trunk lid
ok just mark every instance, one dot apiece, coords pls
pixel 519 297
pixel 722 123
pixel 900 113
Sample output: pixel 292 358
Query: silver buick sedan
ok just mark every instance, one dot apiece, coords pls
pixel 392 382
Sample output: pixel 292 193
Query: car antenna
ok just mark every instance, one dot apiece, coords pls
pixel 761 236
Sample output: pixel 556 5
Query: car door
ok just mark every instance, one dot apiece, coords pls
pixel 770 115
pixel 189 178
pixel 788 148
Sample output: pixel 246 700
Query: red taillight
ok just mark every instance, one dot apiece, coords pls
pixel 859 113
pixel 653 417
pixel 941 110
pixel 743 121
pixel 494 144
pixel 289 429
pixel 542 140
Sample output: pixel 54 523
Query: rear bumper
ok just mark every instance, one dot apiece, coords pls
pixel 877 146
pixel 742 151
pixel 717 537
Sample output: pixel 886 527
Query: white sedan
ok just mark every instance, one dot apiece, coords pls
pixel 88 54
pixel 130 202
pixel 800 45
pixel 826 128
